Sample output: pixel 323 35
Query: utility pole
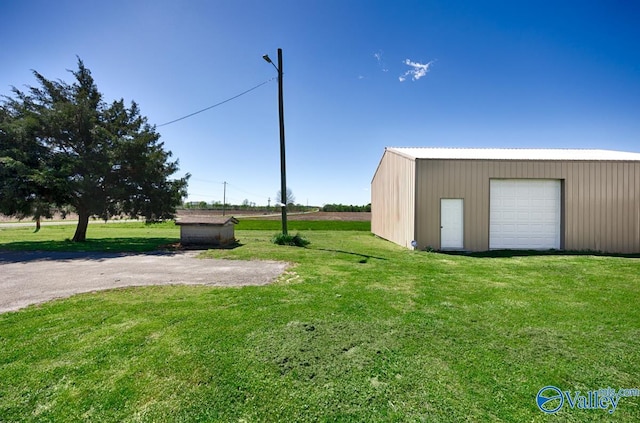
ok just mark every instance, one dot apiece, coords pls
pixel 283 166
pixel 224 197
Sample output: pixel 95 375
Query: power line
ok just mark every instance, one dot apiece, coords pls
pixel 206 180
pixel 226 191
pixel 218 104
pixel 247 192
pixel 236 188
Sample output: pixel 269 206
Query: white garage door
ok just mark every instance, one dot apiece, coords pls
pixel 524 214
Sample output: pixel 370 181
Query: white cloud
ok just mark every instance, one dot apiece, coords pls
pixel 380 60
pixel 417 71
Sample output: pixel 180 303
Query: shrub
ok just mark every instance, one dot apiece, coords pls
pixel 294 240
pixel 345 208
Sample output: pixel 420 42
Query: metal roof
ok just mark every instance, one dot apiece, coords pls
pixel 514 154
pixel 206 220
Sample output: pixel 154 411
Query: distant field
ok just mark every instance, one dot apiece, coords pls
pixel 275 215
pixel 244 214
pixel 332 216
pixel 305 225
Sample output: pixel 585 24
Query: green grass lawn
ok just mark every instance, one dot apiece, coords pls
pixel 358 329
pixel 117 237
pixel 139 237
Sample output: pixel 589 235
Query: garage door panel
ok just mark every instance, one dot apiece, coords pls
pixel 524 214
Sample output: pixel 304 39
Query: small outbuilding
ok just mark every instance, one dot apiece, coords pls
pixel 207 230
pixel 484 199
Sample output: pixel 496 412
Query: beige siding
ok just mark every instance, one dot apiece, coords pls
pixel 601 200
pixel 393 199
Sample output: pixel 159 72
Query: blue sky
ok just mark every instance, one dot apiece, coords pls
pixel 358 76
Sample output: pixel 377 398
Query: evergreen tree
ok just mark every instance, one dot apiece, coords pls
pixel 62 145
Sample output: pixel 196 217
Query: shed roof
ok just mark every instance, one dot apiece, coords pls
pixel 206 220
pixel 514 154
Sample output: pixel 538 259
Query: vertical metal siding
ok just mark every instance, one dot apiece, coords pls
pixel 579 195
pixel 601 202
pixel 635 189
pixel 393 199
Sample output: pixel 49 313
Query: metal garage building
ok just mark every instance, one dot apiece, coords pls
pixel 482 199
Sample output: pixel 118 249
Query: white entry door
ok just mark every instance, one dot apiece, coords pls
pixel 451 224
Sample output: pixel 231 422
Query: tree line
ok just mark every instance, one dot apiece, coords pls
pixel 245 206
pixel 345 208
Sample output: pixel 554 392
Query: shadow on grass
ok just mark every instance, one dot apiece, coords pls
pixel 202 247
pixel 117 245
pixel 530 253
pixel 7 257
pixel 365 257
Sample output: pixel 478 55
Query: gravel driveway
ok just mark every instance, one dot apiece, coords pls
pixel 35 277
